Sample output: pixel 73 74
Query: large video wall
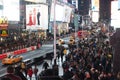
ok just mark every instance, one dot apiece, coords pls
pixel 11 9
pixel 119 4
pixel 115 15
pixel 62 13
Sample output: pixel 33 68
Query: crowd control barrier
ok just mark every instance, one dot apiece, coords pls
pixel 17 52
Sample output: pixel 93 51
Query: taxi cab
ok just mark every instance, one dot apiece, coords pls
pixel 72 41
pixel 61 41
pixel 12 59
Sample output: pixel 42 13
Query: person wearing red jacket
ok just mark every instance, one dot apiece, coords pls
pixel 30 73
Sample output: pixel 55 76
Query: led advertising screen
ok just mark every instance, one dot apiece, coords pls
pixel 95 5
pixel 118 4
pixel 115 15
pixel 95 16
pixel 37 1
pixel 59 12
pixel 67 13
pixel 1 8
pixel 11 9
pixel 36 16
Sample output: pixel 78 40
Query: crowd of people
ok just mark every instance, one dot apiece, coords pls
pixel 20 72
pixel 90 58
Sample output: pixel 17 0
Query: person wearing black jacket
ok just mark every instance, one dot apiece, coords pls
pixel 18 72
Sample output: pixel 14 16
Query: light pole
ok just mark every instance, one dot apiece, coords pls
pixel 54 32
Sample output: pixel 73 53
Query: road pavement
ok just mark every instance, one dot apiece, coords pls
pixel 46 48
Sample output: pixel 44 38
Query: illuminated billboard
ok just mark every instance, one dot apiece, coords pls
pixel 11 9
pixel 67 13
pixel 115 15
pixel 119 4
pixel 36 16
pixel 1 8
pixel 59 12
pixel 37 1
pixel 95 5
pixel 95 16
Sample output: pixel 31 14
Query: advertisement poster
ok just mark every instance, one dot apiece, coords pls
pixel 11 9
pixel 67 13
pixel 95 16
pixel 115 15
pixel 95 5
pixel 118 4
pixel 1 8
pixel 37 1
pixel 36 16
pixel 59 12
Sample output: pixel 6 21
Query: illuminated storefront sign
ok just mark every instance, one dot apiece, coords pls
pixel 37 16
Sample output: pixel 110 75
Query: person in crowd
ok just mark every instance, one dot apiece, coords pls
pixel 18 72
pixel 61 53
pixel 118 76
pixel 35 70
pixel 45 65
pixel 10 74
pixel 5 78
pixel 55 68
pixel 30 73
pixel 24 68
pixel 67 74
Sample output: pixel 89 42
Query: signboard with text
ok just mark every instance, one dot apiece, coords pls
pixel 3 27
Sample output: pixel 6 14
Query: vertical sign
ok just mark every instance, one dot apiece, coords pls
pixel 118 4
pixel 76 20
pixel 3 27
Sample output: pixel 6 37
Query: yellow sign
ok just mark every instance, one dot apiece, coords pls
pixel 4 32
pixel 3 20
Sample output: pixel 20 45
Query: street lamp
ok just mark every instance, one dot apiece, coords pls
pixel 54 32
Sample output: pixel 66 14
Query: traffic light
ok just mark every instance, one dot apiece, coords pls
pixel 80 19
